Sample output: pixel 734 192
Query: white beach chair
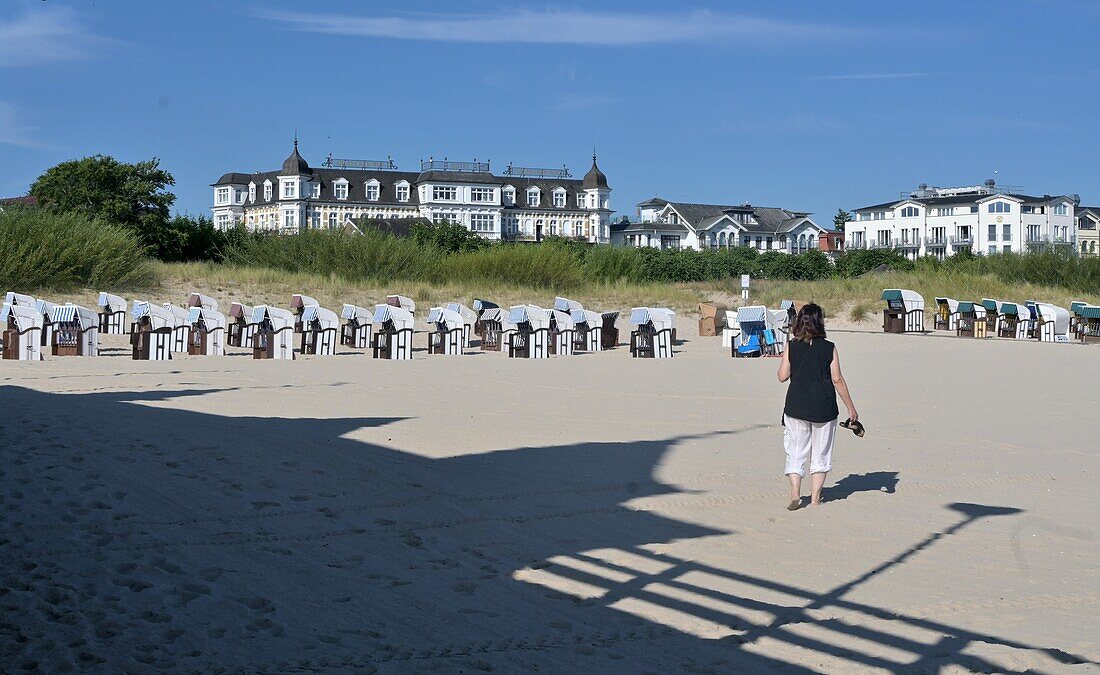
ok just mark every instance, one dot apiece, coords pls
pixel 563 333
pixel 298 304
pixel 181 328
pixel 589 330
pixel 1053 324
pixel 22 331
pixel 530 337
pixel 112 314
pixel 75 331
pixel 274 333
pixel 446 331
pixel 469 320
pixel 904 311
pixel 401 301
pixel 207 332
pixel 240 329
pixel 493 328
pixel 320 328
pixel 355 331
pixel 732 330
pixel 653 335
pixel 152 334
pixel 947 314
pixel 393 333
pixel 1015 321
pixel 200 300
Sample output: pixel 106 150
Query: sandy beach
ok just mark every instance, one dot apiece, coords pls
pixel 593 513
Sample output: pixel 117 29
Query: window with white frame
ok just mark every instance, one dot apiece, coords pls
pixel 402 192
pixel 290 189
pixel 223 221
pixel 533 197
pixel 340 189
pixel 444 193
pixel 439 218
pixel 1061 210
pixel 909 212
pixel 267 190
pixel 289 219
pixel 509 194
pixel 221 195
pixel 559 199
pixel 481 222
pixel 481 195
pixel 251 192
pixel 315 190
pixel 315 219
pixel 1000 207
pixel 373 190
pixel 332 220
pixel 554 227
pixel 579 231
pixel 581 200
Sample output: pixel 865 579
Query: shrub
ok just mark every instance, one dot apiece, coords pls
pixel 44 249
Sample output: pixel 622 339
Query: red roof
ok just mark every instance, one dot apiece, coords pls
pixel 27 200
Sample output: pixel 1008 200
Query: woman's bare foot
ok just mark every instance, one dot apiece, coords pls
pixel 815 502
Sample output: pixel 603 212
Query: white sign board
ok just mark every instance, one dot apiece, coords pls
pixel 744 281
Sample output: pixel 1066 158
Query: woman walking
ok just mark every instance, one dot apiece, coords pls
pixel 812 365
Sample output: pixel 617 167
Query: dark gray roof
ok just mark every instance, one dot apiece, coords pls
pixel 768 220
pixel 595 178
pixel 459 177
pixel 295 165
pixel 651 227
pixel 1093 210
pixel 652 201
pixel 695 213
pixel 357 186
pixel 233 178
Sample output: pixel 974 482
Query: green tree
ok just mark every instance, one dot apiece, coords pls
pixel 840 219
pixel 132 195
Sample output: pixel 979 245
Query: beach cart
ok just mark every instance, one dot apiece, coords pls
pixel 1014 321
pixel 904 311
pixel 240 329
pixel 393 332
pixel 469 319
pixel 273 333
pixel 207 331
pixel 653 336
pixel 971 322
pixel 181 329
pixel 298 304
pixel 22 331
pixel 610 332
pixel 490 328
pixel 947 314
pixel 1088 326
pixel 563 333
pixel 446 331
pixel 1052 323
pixel 75 331
pixel 151 332
pixel 355 331
pixel 320 329
pixel 527 332
pixel 588 327
pixel 112 314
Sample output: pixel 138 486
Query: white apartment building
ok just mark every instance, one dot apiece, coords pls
pixel 675 225
pixel 522 204
pixel 982 218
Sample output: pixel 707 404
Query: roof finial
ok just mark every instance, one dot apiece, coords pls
pixel 593 154
pixel 295 138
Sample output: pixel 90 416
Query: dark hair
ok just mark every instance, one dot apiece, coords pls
pixel 809 323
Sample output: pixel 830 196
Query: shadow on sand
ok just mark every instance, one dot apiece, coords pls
pixel 136 535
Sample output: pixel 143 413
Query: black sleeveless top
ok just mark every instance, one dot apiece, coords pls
pixel 811 395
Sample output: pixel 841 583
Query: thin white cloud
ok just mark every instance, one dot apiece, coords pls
pixel 11 131
pixel 870 76
pixel 561 27
pixel 44 34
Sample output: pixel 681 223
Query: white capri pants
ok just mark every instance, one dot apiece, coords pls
pixel 808 441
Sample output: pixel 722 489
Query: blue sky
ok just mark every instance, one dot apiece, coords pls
pixel 807 105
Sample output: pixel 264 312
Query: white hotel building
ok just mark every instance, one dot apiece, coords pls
pixel 982 218
pixel 520 205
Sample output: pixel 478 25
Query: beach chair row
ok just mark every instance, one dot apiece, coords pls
pixel 1031 320
pixel 32 326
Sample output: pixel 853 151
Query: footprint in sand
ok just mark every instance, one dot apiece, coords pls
pixel 211 574
pixel 464 586
pixel 259 506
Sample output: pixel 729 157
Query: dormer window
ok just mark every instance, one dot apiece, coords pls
pixel 373 190
pixel 1000 207
pixel 267 190
pixel 251 192
pixel 909 212
pixel 402 191
pixel 559 198
pixel 580 200
pixel 509 193
pixel 221 195
pixel 533 197
pixel 340 188
pixel 1061 210
pixel 315 191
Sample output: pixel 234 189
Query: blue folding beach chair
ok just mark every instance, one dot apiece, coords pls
pixel 751 347
pixel 771 344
